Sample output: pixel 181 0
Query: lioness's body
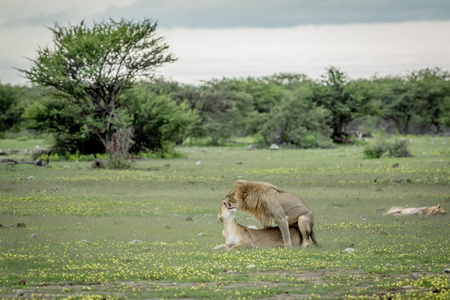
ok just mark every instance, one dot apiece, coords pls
pixel 427 210
pixel 238 236
pixel 270 205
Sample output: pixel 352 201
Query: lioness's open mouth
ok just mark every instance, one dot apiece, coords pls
pixel 227 204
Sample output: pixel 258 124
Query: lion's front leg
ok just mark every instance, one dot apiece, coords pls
pixel 284 227
pixel 223 246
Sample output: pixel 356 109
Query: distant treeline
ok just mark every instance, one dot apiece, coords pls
pixel 286 109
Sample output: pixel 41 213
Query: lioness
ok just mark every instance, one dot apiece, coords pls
pixel 427 210
pixel 238 236
pixel 270 205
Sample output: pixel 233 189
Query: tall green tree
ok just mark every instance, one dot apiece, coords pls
pixel 397 102
pixel 91 66
pixel 333 94
pixel 59 117
pixel 158 121
pixel 431 91
pixel 10 110
pixel 297 122
pixel 222 106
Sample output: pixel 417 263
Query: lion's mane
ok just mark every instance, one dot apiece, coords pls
pixel 254 197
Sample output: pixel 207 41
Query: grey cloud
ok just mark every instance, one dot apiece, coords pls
pixel 39 20
pixel 234 13
pixel 282 13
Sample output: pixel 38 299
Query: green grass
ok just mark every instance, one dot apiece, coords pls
pixel 84 220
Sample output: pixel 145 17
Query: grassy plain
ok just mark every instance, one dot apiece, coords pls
pixel 116 234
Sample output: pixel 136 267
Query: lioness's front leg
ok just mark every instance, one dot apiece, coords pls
pixel 223 246
pixel 242 245
pixel 284 227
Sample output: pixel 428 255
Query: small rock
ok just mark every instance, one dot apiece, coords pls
pixel 202 234
pixel 33 235
pixel 274 147
pixel 22 282
pixel 84 241
pixel 189 219
pixel 19 293
pixel 349 250
pixel 136 242
pixel 98 163
pixel 198 163
pixel 387 265
pixel 167 227
pixel 251 147
pixel 447 271
pixel 395 165
pixel 30 177
pixel 250 266
pixel 21 225
pixel 415 276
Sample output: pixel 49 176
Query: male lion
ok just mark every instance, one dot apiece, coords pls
pixel 238 236
pixel 427 210
pixel 270 205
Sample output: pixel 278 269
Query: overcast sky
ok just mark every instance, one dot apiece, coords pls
pixel 215 39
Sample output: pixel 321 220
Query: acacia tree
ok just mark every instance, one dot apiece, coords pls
pixel 341 97
pixel 91 66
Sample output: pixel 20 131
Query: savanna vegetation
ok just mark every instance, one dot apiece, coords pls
pixel 147 232
pixel 287 109
pixel 144 228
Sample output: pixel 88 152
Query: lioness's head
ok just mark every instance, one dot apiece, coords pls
pixel 436 210
pixel 227 212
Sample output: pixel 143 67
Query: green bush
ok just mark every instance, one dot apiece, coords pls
pixel 22 138
pixel 387 148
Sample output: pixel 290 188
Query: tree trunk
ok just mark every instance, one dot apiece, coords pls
pixel 118 144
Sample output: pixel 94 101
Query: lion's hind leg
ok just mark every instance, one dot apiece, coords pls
pixel 305 230
pixel 396 210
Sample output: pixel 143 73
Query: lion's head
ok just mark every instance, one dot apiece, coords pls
pixel 252 197
pixel 435 210
pixel 247 195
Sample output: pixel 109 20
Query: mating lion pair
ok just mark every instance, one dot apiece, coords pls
pixel 271 206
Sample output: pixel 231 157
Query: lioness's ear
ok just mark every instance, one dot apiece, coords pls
pixel 438 206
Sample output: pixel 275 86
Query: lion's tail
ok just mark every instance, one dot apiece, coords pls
pixel 313 238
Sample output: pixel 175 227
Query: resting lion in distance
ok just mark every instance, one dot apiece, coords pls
pixel 239 236
pixel 270 205
pixel 427 210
